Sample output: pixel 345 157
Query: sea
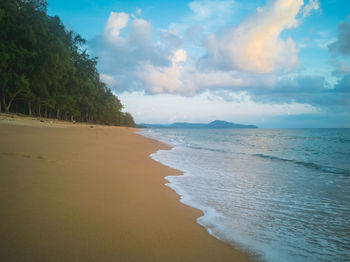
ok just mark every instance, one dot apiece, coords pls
pixel 275 194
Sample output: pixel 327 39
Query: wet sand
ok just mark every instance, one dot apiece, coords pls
pixel 74 193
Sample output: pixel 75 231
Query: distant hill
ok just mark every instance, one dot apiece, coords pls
pixel 214 124
pixel 224 124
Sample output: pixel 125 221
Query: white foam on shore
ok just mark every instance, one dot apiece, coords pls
pixel 210 219
pixel 215 223
pixel 270 209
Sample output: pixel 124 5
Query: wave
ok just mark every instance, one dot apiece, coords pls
pixel 311 165
pixel 207 149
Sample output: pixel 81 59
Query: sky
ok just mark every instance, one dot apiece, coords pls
pixel 272 63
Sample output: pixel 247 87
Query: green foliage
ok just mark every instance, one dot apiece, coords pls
pixel 129 120
pixel 45 70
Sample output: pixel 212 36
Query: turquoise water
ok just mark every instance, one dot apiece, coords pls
pixel 278 194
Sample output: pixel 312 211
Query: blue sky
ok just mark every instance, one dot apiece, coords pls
pixel 274 63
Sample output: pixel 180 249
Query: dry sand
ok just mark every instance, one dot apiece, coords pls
pixel 92 194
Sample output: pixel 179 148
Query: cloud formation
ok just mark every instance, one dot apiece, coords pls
pixel 125 42
pixel 205 10
pixel 249 61
pixel 311 5
pixel 340 49
pixel 342 69
pixel 255 45
pixel 343 86
pixel 342 44
pixel 115 23
pixel 164 79
pixel 208 14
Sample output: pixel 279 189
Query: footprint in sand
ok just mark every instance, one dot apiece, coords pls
pixel 23 155
pixel 11 154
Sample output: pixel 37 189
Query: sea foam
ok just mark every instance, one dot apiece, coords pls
pixel 278 195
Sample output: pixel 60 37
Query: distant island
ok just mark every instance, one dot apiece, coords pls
pixel 214 124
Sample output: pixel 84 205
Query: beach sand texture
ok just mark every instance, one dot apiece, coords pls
pixel 93 194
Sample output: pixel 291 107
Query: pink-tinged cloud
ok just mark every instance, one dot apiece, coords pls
pixel 255 45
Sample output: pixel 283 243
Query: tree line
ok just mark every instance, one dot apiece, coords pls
pixel 46 71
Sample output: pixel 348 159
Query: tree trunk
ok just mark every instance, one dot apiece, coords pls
pixel 7 107
pixel 58 114
pixel 30 108
pixel 4 104
pixel 39 107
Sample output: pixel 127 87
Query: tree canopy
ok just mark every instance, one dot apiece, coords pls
pixel 45 69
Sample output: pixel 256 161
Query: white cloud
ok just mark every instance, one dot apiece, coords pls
pixel 240 60
pixel 255 44
pixel 116 22
pixel 311 5
pixel 203 10
pixel 141 31
pixel 127 42
pixel 164 79
pixel 210 15
pixel 108 80
pixel 179 56
pixel 183 77
pixel 171 39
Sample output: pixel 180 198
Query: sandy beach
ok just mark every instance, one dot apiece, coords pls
pixel 75 193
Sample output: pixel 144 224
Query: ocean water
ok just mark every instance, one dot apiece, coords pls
pixel 277 194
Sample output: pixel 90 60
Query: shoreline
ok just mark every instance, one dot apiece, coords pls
pixel 94 194
pixel 182 198
pixel 207 213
